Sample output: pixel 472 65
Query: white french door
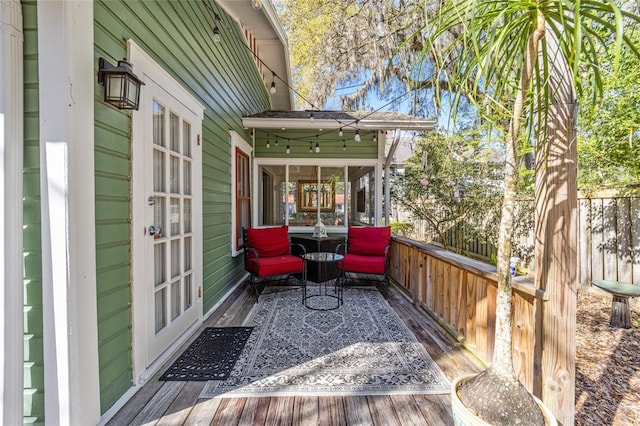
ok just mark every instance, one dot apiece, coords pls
pixel 167 211
pixel 171 289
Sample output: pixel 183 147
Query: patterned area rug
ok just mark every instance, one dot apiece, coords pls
pixel 361 348
pixel 211 356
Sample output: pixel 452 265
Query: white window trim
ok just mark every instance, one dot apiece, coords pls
pixel 238 141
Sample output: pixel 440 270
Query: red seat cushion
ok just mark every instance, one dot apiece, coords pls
pixel 268 242
pixel 278 265
pixel 369 240
pixel 362 264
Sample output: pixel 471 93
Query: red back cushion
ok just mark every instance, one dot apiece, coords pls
pixel 369 240
pixel 269 242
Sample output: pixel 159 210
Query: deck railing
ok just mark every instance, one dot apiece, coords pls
pixel 460 294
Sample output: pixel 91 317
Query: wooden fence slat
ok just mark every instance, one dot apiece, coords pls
pixel 482 315
pixel 597 239
pixel 523 333
pixel 470 301
pixel 609 210
pixel 623 239
pixel 635 240
pixel 584 248
pixel 429 290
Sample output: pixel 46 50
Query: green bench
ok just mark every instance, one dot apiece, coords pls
pixel 621 292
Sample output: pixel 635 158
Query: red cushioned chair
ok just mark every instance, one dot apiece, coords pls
pixel 366 252
pixel 267 257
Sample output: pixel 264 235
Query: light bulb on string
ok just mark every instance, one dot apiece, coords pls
pixel 276 141
pixel 357 137
pixel 268 144
pixel 288 150
pixel 344 145
pixel 340 133
pixel 216 34
pixel 273 89
pixel 317 147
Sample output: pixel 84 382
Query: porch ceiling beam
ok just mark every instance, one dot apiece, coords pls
pixel 309 124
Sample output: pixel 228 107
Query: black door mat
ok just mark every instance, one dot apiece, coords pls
pixel 211 356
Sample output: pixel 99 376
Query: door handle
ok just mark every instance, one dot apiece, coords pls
pixel 155 231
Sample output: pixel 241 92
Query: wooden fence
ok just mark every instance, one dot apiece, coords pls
pixel 460 294
pixel 608 238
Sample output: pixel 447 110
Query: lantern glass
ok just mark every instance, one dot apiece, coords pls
pixel 121 86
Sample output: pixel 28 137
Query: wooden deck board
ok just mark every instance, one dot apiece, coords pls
pixel 157 405
pixel 182 405
pixel 306 411
pixel 177 403
pixel 357 410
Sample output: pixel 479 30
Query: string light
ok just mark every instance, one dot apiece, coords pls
pixel 268 144
pixel 276 141
pixel 317 147
pixel 344 145
pixel 216 30
pixel 357 137
pixel 340 133
pixel 273 85
pixel 288 150
pixel 257 4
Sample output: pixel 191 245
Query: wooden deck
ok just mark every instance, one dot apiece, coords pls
pixel 177 403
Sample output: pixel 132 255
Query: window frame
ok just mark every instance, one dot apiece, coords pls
pixel 323 162
pixel 239 145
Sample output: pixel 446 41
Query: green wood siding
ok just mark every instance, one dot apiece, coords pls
pixel 223 77
pixel 33 326
pixel 330 145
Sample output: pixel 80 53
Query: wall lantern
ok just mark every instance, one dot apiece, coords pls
pixel 121 85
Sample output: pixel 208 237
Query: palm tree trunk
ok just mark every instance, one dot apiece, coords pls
pixel 502 356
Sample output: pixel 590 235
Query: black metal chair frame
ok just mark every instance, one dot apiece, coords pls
pixel 259 283
pixel 343 275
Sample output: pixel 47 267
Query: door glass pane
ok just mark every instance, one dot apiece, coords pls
pixel 274 196
pixel 158 170
pixel 174 137
pixel 160 308
pixel 175 258
pixel 187 177
pixel 175 216
pixel 159 215
pixel 160 262
pixel 188 293
pixel 174 175
pixel 186 138
pixel 187 215
pixel 332 195
pixel 158 124
pixel 304 196
pixel 175 300
pixel 187 254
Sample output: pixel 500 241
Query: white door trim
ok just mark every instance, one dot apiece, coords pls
pixel 151 72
